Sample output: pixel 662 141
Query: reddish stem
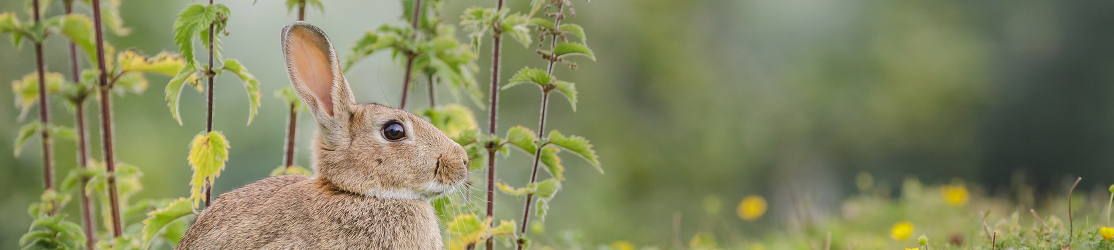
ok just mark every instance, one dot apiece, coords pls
pixel 209 114
pixel 44 111
pixel 291 129
pixel 410 60
pixel 497 47
pixel 82 147
pixel 106 125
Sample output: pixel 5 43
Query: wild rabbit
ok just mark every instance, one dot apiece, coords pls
pixel 377 168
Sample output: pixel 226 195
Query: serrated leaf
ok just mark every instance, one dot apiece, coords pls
pixel 26 90
pixel 250 83
pixel 208 152
pixel 290 97
pixel 530 75
pixel 523 138
pixel 542 208
pixel 575 30
pixel 465 229
pixel 563 50
pixel 505 227
pixel 111 18
pixel 383 38
pixel 541 22
pixel 477 154
pixel 187 74
pixel 452 119
pixel 478 21
pixel 79 29
pixel 190 23
pixel 163 63
pixel 545 189
pixel 133 82
pixel 578 145
pixel 63 132
pixel 25 133
pixel 552 162
pixel 292 170
pixel 569 89
pixel 507 189
pixel 158 219
pixel 516 25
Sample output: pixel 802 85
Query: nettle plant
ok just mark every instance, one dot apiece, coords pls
pixel 427 47
pixel 109 183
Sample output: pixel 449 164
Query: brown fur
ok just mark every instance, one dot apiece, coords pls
pixel 369 192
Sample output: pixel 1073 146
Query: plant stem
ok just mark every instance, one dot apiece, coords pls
pixel 291 130
pixel 410 59
pixel 209 114
pixel 44 111
pixel 82 145
pixel 497 47
pixel 106 125
pixel 432 93
pixel 302 10
pixel 541 126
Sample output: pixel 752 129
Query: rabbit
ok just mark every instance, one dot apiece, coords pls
pixel 376 170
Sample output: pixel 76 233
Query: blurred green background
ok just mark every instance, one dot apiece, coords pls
pixel 688 99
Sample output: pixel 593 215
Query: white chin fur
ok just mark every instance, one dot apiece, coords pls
pixel 431 190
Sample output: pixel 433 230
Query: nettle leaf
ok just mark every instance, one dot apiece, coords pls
pixel 208 152
pixel 478 155
pixel 542 22
pixel 25 133
pixel 517 192
pixel 523 138
pixel 552 162
pixel 250 83
pixel 370 43
pixel 187 75
pixel 536 5
pixel 112 19
pixel 517 26
pixel 158 219
pixel 53 232
pixel 569 89
pixel 563 50
pixel 575 30
pixel 478 21
pixel 505 228
pixel 577 145
pixel 163 63
pixel 190 23
pixel 465 230
pixel 545 189
pixel 8 23
pixel 26 90
pixel 542 208
pixel 79 29
pixel 291 99
pixel 530 75
pixel 292 170
pixel 452 119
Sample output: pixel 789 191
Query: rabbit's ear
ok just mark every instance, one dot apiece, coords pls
pixel 315 73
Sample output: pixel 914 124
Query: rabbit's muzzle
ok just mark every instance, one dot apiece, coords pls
pixel 451 170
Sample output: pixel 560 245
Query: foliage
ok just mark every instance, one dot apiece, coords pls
pixel 208 152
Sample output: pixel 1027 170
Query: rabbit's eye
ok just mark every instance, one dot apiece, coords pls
pixel 394 131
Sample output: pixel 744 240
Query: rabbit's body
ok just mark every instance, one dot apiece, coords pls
pixel 324 216
pixel 376 170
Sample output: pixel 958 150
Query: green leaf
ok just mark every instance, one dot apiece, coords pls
pixel 452 119
pixel 26 90
pixel 208 152
pixel 250 83
pixel 517 26
pixel 542 208
pixel 111 18
pixel 575 30
pixel 190 23
pixel 25 133
pixel 478 21
pixel 545 189
pixel 542 22
pixel 186 75
pixel 79 30
pixel 292 170
pixel 569 89
pixel 133 82
pixel 158 219
pixel 577 145
pixel 504 228
pixel 63 132
pixel 573 49
pixel 478 155
pixel 164 63
pixel 552 162
pixel 523 138
pixel 530 75
pixel 518 192
pixel 370 43
pixel 290 97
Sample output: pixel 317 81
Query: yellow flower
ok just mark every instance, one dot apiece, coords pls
pixel 902 230
pixel 752 207
pixel 1106 232
pixel 622 245
pixel 955 195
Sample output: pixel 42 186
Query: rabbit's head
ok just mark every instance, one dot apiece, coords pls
pixel 367 149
